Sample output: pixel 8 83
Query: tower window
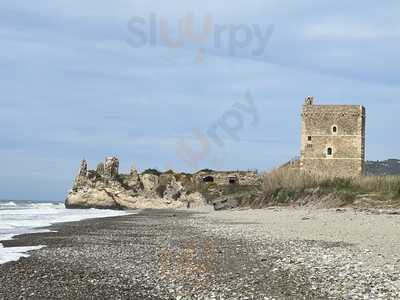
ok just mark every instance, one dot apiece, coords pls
pixel 309 138
pixel 329 151
pixel 334 129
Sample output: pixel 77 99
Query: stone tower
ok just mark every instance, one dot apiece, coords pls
pixel 332 139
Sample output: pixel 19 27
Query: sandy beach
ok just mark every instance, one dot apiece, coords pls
pixel 277 253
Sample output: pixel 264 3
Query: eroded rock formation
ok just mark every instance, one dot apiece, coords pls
pixel 83 169
pixel 111 167
pixel 106 188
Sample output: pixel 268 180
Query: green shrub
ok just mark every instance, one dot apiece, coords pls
pixel 152 172
pixel 206 171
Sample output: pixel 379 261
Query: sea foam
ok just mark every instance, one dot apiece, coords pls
pixel 22 217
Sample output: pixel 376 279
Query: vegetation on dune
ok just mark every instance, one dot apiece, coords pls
pixel 283 186
pixel 246 194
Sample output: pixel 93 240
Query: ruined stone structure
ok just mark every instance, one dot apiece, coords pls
pixel 105 187
pixel 332 139
pixel 228 177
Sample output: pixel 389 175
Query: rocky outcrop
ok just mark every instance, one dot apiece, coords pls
pixel 150 182
pixel 106 188
pixel 83 169
pixel 111 167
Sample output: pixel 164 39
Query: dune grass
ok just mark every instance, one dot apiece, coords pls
pixel 284 186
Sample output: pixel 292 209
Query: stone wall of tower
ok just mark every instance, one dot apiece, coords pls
pixel 333 139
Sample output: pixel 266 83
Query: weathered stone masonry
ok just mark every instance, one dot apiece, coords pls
pixel 333 139
pixel 228 177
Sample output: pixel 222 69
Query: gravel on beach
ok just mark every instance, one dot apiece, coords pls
pixel 280 253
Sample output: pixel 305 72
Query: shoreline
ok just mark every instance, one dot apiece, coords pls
pixel 201 254
pixel 29 217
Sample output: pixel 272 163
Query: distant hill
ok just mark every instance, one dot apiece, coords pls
pixel 385 167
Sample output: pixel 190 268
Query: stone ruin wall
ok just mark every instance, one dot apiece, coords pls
pixel 225 178
pixel 110 169
pixel 347 143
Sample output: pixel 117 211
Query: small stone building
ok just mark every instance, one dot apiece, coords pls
pixel 227 177
pixel 332 139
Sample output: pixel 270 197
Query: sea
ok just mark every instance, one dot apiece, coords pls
pixel 20 217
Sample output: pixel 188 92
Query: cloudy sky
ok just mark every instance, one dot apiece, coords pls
pixel 88 79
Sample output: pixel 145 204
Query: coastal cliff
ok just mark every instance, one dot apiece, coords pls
pixel 106 188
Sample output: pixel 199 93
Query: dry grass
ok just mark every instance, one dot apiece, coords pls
pixel 389 184
pixel 288 179
pixel 286 185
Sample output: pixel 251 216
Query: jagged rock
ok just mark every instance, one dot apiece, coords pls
pixel 173 190
pixel 91 198
pixel 82 176
pixel 111 166
pixel 100 169
pixel 134 171
pixel 92 175
pixel 106 188
pixel 83 169
pixel 131 182
pixel 150 182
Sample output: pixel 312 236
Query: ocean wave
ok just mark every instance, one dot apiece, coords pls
pixel 44 207
pixel 8 204
pixel 47 205
pixel 29 217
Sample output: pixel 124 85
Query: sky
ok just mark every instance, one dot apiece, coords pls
pixel 184 85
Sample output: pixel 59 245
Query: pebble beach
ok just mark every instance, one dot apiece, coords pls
pixel 276 253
